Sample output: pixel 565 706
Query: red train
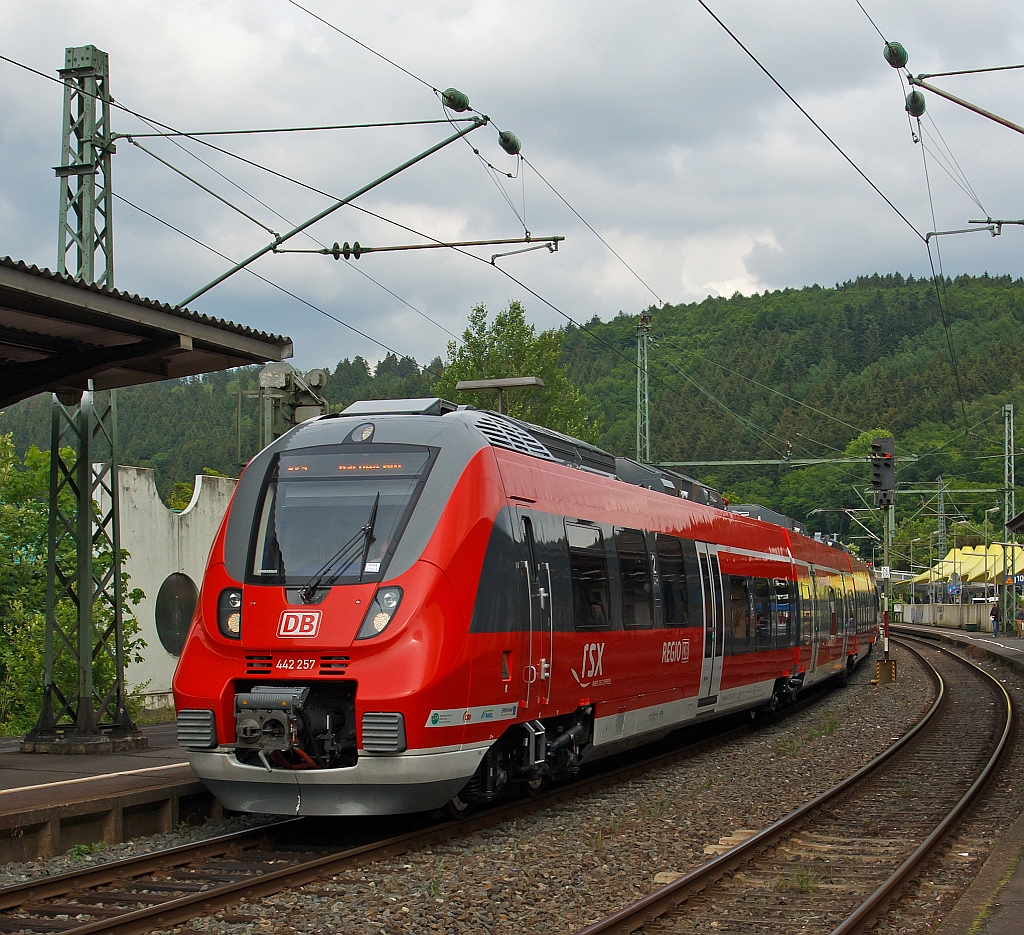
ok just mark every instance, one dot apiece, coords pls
pixel 412 605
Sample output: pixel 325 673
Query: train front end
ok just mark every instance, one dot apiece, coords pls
pixel 329 644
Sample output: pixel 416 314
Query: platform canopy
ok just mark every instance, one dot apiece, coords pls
pixel 57 333
pixel 975 565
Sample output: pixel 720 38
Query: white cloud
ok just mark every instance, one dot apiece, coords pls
pixel 647 117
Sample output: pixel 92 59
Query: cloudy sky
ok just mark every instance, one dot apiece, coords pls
pixel 645 116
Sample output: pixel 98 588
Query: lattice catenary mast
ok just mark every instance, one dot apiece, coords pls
pixel 84 623
pixel 643 391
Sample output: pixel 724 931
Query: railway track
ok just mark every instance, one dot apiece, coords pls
pixel 169 887
pixel 837 863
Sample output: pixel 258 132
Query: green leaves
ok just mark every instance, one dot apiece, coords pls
pixel 510 347
pixel 24 512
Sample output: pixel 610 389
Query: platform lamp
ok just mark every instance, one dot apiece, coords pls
pixel 502 384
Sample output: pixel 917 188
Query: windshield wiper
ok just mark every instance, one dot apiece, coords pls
pixel 308 591
pixel 368 530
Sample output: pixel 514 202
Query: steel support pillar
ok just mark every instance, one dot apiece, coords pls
pixel 84 693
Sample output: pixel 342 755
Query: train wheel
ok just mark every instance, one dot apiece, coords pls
pixel 532 787
pixel 456 807
pixel 769 707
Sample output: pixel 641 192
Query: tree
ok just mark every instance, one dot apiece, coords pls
pixel 24 520
pixel 510 347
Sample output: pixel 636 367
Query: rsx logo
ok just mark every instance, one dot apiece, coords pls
pixel 591 666
pixel 299 623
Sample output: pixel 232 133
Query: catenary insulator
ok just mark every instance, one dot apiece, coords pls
pixel 895 54
pixel 336 250
pixel 509 142
pixel 455 100
pixel 915 103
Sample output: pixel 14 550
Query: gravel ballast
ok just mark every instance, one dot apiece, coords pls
pixel 573 863
pixel 100 853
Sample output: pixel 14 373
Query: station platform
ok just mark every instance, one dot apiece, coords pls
pixel 1008 649
pixel 51 802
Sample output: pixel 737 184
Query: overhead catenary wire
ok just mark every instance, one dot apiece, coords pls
pixel 592 230
pixel 173 132
pixel 793 399
pixel 363 45
pixel 632 363
pixel 427 84
pixel 940 292
pixel 814 122
pixel 380 285
pixel 196 182
pixel 332 126
pixel 963 175
pixel 269 282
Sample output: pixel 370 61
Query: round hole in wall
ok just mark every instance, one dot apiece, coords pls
pixel 175 604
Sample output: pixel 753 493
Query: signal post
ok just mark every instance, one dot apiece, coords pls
pixel 883 481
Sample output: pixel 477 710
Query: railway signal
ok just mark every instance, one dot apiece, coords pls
pixel 883 480
pixel 883 470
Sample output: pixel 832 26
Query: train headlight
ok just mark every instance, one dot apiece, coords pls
pixel 229 613
pixel 382 608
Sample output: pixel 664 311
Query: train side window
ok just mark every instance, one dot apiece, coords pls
pixel 806 611
pixel 740 630
pixel 635 575
pixel 588 567
pixel 762 597
pixel 672 573
pixel 531 554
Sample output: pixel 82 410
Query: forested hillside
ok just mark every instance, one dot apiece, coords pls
pixel 815 370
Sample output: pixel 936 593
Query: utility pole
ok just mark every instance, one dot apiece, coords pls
pixel 883 480
pixel 1009 512
pixel 84 607
pixel 643 391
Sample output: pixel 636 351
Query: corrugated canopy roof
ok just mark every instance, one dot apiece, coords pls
pixel 57 333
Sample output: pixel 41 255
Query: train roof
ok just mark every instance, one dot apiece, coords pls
pixel 504 431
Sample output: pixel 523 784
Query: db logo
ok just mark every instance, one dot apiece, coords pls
pixel 299 623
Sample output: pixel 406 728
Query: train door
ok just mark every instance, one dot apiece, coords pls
pixel 849 625
pixel 811 624
pixel 538 642
pixel 714 624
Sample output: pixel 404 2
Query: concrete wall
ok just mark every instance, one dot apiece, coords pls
pixel 161 542
pixel 957 616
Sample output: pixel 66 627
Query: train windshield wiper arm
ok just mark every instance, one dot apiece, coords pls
pixel 368 540
pixel 308 590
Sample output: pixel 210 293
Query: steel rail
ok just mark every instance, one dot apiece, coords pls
pixel 876 905
pixel 191 906
pixel 655 904
pixel 59 884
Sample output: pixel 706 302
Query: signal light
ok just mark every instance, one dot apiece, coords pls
pixel 883 469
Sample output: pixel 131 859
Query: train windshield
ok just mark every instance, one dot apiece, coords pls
pixel 335 512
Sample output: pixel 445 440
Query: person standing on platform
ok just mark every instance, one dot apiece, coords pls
pixel 995 619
